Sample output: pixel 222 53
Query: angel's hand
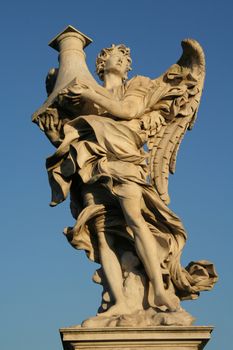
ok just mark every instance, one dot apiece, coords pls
pixel 50 123
pixel 73 95
pixel 69 97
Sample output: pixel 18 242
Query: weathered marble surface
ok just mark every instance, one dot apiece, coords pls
pixel 119 191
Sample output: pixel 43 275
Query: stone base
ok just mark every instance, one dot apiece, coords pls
pixel 135 338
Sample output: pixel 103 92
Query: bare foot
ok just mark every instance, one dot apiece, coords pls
pixel 170 300
pixel 119 308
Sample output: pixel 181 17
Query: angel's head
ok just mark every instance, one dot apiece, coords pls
pixel 115 59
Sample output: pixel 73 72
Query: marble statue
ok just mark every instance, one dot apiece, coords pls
pixel 115 147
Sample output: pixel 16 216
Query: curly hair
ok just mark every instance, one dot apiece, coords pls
pixel 105 54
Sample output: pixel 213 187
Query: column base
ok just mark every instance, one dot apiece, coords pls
pixel 136 338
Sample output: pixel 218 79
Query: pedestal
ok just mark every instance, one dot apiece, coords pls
pixel 126 338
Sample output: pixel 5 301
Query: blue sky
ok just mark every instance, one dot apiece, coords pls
pixel 45 284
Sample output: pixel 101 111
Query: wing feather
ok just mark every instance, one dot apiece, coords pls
pixel 184 87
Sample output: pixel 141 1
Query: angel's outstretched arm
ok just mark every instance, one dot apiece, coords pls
pixel 128 108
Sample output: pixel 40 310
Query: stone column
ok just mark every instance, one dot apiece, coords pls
pixel 70 44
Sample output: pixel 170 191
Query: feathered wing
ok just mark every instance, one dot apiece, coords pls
pixel 174 113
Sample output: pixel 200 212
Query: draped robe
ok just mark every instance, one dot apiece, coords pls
pixel 100 152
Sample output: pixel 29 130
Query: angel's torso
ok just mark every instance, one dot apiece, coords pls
pixel 139 88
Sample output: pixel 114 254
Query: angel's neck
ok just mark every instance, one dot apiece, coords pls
pixel 112 81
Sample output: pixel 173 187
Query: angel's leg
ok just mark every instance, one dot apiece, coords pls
pixel 146 245
pixel 109 260
pixel 113 274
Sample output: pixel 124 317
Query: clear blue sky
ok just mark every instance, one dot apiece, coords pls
pixel 45 284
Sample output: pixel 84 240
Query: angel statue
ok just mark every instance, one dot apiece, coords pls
pixel 115 148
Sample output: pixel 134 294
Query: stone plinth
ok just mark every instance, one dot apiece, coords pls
pixel 126 338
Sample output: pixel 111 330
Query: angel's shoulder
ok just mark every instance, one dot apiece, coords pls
pixel 139 80
pixel 139 85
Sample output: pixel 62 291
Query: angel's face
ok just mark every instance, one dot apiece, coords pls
pixel 117 63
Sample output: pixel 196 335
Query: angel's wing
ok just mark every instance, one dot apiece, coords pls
pixel 177 110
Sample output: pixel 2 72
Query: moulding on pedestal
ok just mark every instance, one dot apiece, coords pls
pixel 126 338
